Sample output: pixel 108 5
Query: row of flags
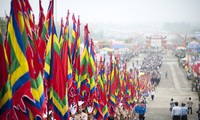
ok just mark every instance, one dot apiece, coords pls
pixel 42 72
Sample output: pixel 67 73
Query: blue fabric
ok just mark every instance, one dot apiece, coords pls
pixel 136 110
pixel 184 110
pixel 142 110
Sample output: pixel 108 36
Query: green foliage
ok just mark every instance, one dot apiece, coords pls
pixel 127 41
pixel 3 25
pixel 199 95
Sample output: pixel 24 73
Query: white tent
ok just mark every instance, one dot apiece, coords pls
pixel 183 59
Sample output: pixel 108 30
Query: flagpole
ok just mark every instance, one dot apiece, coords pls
pixel 56 11
pixel 49 89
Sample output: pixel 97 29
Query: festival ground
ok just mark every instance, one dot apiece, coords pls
pixel 175 86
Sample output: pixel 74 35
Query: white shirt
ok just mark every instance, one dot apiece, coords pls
pixel 171 104
pixel 153 93
pixel 189 103
pixel 184 110
pixel 176 110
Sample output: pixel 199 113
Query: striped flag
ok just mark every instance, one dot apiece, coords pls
pixel 37 88
pixel 84 86
pixel 61 39
pixel 19 70
pixel 55 76
pixel 102 90
pixel 48 22
pixel 97 111
pixel 73 40
pixel 114 87
pixel 66 38
pixel 25 114
pixel 47 28
pixel 34 63
pixel 123 81
pixel 76 59
pixel 67 70
pixel 41 19
pixel 5 86
pixel 65 53
pixel 58 82
pixel 66 35
pixel 91 72
pixel 40 43
pixel 28 20
pixel 94 97
pixel 35 67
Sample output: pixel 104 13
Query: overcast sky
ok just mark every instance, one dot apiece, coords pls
pixel 120 11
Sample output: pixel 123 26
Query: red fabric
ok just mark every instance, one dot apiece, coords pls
pixel 58 82
pixel 22 91
pixel 19 114
pixel 3 73
pixel 65 58
pixel 29 56
pixel 31 105
pixel 40 46
pixel 41 20
pixel 196 67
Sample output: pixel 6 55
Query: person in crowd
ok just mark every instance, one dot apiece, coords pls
pixel 124 114
pixel 142 111
pixel 176 112
pixel 184 111
pixel 89 111
pixel 171 105
pixel 154 85
pixel 110 118
pixel 73 113
pixel 80 115
pixel 136 109
pixel 130 113
pixel 83 114
pixel 198 112
pixel 194 84
pixel 117 114
pixel 189 104
pixel 152 95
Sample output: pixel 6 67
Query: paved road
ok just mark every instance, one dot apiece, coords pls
pixel 175 86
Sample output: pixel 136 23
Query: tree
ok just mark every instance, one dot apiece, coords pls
pixel 3 25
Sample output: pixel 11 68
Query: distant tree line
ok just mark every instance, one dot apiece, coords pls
pixel 181 27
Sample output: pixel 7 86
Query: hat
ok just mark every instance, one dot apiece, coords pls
pixel 45 114
pixel 90 109
pixel 73 109
pixel 80 103
pixel 120 104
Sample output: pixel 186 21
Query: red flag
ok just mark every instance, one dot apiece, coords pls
pixel 41 19
pixel 5 87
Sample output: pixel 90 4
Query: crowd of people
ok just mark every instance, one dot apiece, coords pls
pixel 181 112
pixel 120 113
pixel 196 84
pixel 152 64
